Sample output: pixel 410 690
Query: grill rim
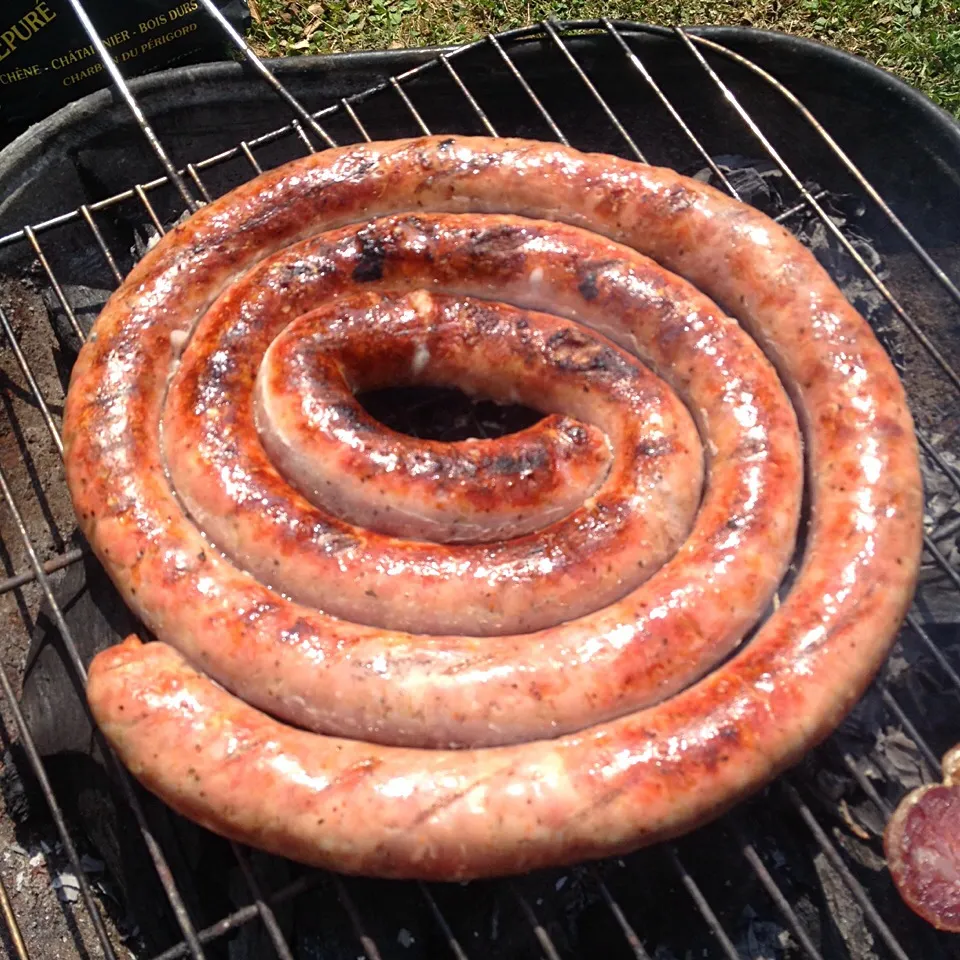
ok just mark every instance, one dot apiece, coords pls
pixel 21 153
pixel 192 942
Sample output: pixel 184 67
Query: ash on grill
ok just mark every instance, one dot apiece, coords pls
pixel 569 903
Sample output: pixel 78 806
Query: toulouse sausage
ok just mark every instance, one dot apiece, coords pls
pixel 589 736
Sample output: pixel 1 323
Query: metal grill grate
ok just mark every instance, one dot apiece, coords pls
pixel 693 874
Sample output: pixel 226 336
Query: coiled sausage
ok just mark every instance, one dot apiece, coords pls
pixel 644 745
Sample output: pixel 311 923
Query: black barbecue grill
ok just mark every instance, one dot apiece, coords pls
pixel 795 872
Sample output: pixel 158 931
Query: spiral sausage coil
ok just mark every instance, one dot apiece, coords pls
pixel 407 658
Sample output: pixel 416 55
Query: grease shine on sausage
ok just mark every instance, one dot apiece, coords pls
pixel 646 755
pixel 569 563
pixel 345 677
pixel 473 491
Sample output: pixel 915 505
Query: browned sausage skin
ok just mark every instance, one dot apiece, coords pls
pixel 476 490
pixel 346 678
pixel 398 811
pixel 584 560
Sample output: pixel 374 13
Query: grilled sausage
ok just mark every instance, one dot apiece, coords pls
pixel 473 491
pixel 640 760
pixel 348 678
pixel 619 534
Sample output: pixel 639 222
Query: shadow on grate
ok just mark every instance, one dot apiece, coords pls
pixel 796 872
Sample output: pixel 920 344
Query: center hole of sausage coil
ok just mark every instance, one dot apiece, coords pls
pixel 445 413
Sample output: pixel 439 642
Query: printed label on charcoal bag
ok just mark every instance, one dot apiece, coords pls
pixel 46 58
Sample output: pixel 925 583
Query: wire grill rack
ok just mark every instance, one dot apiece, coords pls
pixel 353 905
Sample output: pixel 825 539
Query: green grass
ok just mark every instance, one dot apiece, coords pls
pixel 919 40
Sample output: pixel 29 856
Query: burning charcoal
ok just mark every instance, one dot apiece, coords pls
pixel 942 515
pixel 897 666
pixel 665 953
pixel 900 757
pixel 67 886
pixel 745 176
pixel 848 928
pixel 858 731
pixel 854 824
pixel 761 939
pixel 86 303
pixel 146 236
pixel 832 785
pixel 91 864
pixel 756 181
pixel 16 795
